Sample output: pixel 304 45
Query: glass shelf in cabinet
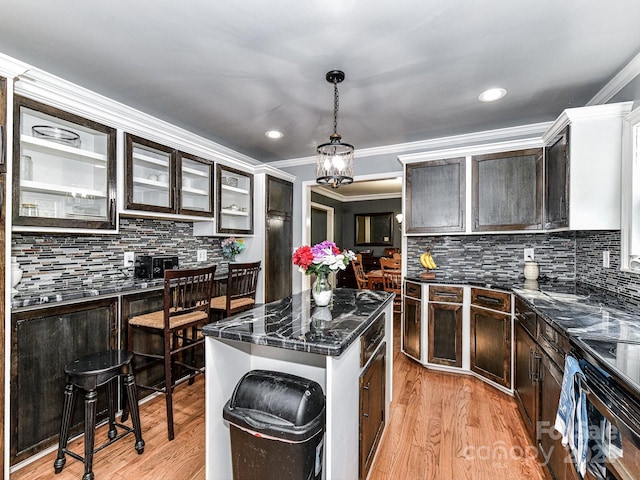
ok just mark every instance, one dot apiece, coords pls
pixel 163 162
pixel 238 213
pixel 152 184
pixel 235 189
pixel 46 146
pixel 194 172
pixel 41 187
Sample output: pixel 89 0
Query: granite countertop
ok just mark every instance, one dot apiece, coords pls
pixel 93 288
pixel 295 323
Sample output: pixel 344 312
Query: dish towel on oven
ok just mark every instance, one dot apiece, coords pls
pixel 571 420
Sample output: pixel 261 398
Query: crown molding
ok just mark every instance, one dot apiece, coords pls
pixel 52 90
pixel 10 67
pixel 534 130
pixel 630 71
pixel 464 151
pixel 610 110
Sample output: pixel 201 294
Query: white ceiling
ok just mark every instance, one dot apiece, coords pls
pixel 229 71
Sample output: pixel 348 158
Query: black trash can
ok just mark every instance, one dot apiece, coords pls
pixel 277 423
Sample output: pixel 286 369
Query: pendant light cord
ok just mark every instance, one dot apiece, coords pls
pixel 336 104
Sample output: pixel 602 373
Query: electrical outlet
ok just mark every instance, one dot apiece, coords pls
pixel 202 255
pixel 129 259
pixel 529 255
pixel 605 258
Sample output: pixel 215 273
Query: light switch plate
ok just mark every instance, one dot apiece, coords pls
pixel 129 259
pixel 202 255
pixel 529 254
pixel 605 258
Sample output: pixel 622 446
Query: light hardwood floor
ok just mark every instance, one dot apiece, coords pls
pixel 441 427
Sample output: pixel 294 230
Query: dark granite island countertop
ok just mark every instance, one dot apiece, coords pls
pixel 295 323
pixel 294 336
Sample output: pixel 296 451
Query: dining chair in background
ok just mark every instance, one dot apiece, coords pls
pixel 358 270
pixel 392 280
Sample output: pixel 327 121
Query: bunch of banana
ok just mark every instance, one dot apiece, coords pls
pixel 426 260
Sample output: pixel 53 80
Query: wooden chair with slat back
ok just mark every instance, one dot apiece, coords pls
pixel 361 277
pixel 241 290
pixel 392 278
pixel 187 294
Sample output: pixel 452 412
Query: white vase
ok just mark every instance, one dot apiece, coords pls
pixel 16 275
pixel 531 270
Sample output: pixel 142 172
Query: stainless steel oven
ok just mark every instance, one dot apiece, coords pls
pixel 613 408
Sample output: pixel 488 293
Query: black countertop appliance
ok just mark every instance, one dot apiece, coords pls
pixel 153 266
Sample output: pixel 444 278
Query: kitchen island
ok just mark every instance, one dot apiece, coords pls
pixel 330 345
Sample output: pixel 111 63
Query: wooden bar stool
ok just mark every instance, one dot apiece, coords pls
pixel 87 374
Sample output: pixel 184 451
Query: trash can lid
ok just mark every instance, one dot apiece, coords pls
pixel 294 399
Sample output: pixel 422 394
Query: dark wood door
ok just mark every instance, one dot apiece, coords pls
pixel 491 345
pixel 279 239
pixel 372 402
pixel 3 129
pixel 3 265
pixel 556 182
pixel 42 342
pixel 507 190
pixel 445 334
pixel 435 197
pixel 411 343
pixel 526 378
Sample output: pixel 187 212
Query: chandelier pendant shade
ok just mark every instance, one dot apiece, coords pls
pixel 334 164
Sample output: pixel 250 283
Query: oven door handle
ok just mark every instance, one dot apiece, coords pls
pixel 615 420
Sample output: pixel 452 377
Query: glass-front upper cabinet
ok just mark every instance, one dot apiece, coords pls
pixel 161 179
pixel 150 170
pixel 64 171
pixel 195 185
pixel 235 201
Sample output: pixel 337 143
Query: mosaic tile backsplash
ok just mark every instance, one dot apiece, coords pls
pixel 60 261
pixel 565 256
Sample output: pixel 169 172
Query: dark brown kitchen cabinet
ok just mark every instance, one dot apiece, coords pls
pixel 372 408
pixel 491 345
pixel 527 373
pixel 3 125
pixel 412 321
pixel 278 238
pixel 507 190
pixel 435 196
pixel 163 180
pixel 43 341
pixel 234 209
pixel 64 169
pixel 444 320
pixel 445 334
pixel 556 181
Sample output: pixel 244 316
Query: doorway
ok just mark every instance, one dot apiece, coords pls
pixel 322 221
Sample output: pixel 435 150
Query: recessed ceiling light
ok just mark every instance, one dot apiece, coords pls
pixel 492 94
pixel 274 134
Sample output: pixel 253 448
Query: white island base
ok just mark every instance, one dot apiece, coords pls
pixel 228 360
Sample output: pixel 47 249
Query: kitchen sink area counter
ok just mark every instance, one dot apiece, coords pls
pixel 346 347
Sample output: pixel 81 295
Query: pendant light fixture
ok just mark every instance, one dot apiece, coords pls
pixel 334 165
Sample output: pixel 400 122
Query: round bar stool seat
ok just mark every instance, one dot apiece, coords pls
pixel 87 374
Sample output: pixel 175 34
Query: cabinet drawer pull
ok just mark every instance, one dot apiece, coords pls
pixel 495 301
pixel 445 294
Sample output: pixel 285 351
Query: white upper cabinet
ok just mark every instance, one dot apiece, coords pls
pixel 583 158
